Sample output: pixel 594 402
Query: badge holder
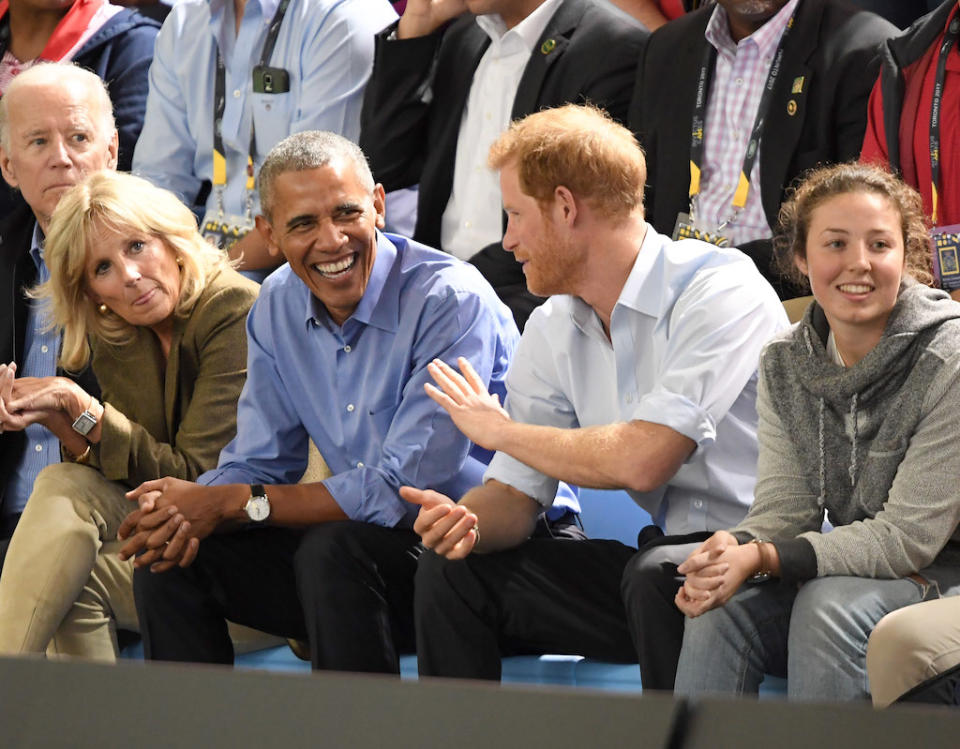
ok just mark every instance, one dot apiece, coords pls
pixel 685 229
pixel 224 229
pixel 946 256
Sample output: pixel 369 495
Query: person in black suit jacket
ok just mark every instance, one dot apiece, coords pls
pixel 422 74
pixel 831 55
pixel 60 102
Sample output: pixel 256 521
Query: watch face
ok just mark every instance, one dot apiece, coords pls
pixel 258 509
pixel 84 423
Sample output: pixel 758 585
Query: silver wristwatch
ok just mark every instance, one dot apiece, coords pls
pixel 87 420
pixel 258 506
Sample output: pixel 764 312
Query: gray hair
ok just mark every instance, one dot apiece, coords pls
pixel 63 73
pixel 309 150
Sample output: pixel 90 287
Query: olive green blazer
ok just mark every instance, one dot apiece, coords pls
pixel 172 418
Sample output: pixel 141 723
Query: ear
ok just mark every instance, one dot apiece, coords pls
pixel 380 206
pixel 266 231
pixel 801 263
pixel 112 150
pixel 565 208
pixel 6 167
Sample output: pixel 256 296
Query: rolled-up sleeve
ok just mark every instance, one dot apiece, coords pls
pixel 421 446
pixel 535 397
pixel 712 352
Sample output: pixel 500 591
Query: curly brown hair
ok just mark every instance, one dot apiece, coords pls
pixel 819 185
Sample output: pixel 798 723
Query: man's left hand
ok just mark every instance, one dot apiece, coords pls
pixel 476 412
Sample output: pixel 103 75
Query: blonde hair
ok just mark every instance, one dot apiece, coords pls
pixel 123 203
pixel 581 148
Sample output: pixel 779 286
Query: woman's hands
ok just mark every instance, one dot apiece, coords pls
pixel 714 572
pixel 54 402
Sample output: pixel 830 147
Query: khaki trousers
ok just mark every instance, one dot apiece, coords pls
pixel 911 645
pixel 63 589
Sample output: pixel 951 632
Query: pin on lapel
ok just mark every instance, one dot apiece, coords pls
pixel 548 46
pixel 797 85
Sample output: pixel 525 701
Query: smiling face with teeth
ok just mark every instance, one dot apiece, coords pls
pixel 324 222
pixel 855 261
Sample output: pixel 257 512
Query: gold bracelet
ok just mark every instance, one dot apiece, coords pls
pixel 81 459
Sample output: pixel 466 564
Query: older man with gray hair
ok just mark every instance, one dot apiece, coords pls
pixel 56 125
pixel 338 347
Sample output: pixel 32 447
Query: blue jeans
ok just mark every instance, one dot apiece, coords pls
pixel 815 635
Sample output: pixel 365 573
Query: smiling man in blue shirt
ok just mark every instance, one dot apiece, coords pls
pixel 339 343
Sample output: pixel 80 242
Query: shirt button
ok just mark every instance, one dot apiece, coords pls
pixel 698 503
pixel 348 348
pixel 739 81
pixel 466 224
pixel 359 464
pixel 38 448
pixel 267 107
pixel 236 93
pixel 44 349
pixel 350 407
pixel 629 397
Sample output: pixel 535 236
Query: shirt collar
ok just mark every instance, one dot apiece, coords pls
pixel 767 37
pixel 36 247
pixel 644 287
pixel 642 291
pixel 219 18
pixel 380 304
pixel 529 30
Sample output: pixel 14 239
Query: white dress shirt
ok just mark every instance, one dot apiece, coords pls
pixel 473 216
pixel 685 341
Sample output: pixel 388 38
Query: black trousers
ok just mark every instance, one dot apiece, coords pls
pixel 551 596
pixel 8 524
pixel 346 587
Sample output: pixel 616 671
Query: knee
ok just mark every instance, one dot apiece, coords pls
pixel 149 587
pixel 643 574
pixel 438 578
pixel 68 492
pixel 327 547
pixel 822 609
pixel 897 632
pixel 897 642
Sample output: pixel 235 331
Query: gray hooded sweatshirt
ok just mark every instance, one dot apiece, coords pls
pixel 876 446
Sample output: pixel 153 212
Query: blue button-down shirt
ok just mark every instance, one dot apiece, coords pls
pixel 357 390
pixel 326 46
pixel 40 348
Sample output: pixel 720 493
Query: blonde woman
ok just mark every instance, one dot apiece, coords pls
pixel 159 315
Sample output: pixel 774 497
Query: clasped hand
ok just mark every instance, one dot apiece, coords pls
pixel 476 413
pixel 34 400
pixel 714 571
pixel 172 517
pixel 445 527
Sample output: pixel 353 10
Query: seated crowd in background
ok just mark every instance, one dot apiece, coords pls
pixel 623 379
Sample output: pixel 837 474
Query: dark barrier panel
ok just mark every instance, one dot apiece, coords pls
pixel 776 724
pixel 136 706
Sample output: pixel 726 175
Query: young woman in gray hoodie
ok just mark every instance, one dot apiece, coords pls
pixel 859 412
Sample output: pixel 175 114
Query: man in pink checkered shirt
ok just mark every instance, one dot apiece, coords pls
pixel 720 154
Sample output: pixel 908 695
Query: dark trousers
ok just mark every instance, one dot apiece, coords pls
pixel 548 596
pixel 346 587
pixel 8 524
pixel 649 585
